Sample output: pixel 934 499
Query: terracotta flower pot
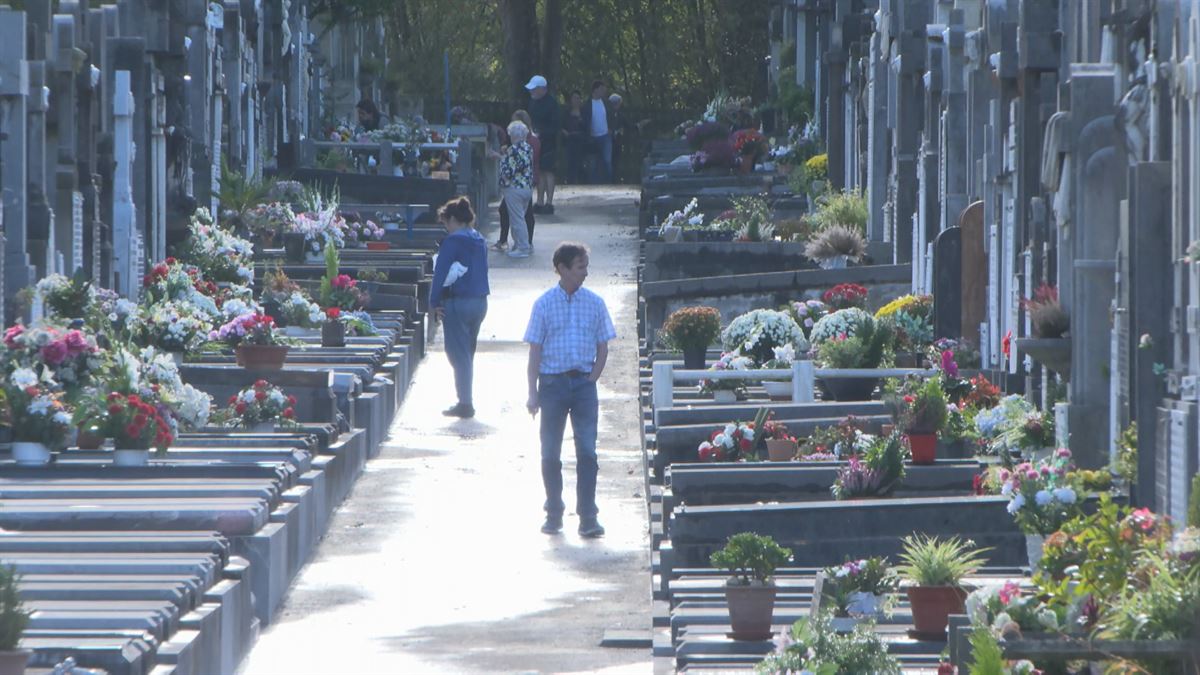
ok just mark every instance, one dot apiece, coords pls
pixel 14 662
pixel 87 440
pixel 781 449
pixel 268 357
pixel 932 607
pixel 378 245
pixel 751 609
pixel 924 448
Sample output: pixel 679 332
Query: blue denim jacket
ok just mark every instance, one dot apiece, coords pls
pixel 468 247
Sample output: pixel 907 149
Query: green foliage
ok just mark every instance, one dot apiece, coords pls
pixel 691 327
pixel 1167 607
pixel 842 208
pixel 931 561
pixel 986 657
pixel 749 556
pixel 794 101
pixel 816 648
pixel 325 290
pixel 238 192
pixel 865 349
pixel 752 218
pixel 1126 465
pixel 13 616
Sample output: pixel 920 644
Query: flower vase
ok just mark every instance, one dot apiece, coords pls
pixel 693 357
pixel 837 262
pixel 924 448
pixel 865 605
pixel 293 247
pixel 267 357
pixel 1033 549
pixel 778 391
pixel 177 357
pixel 781 449
pixel 26 453
pixel 333 334
pixel 725 396
pixel 131 456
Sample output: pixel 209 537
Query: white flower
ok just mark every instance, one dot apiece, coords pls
pixel 62 417
pixel 40 405
pixel 1016 504
pixel 248 396
pixel 1065 495
pixel 748 433
pixel 1048 618
pixel 1002 619
pixel 277 397
pixel 721 440
pixel 1043 497
pixel 730 429
pixel 1007 488
pixel 23 377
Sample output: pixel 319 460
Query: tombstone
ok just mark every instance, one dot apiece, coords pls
pixel 14 97
pixel 947 283
pixel 974 272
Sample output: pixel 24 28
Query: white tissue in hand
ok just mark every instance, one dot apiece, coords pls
pixel 457 269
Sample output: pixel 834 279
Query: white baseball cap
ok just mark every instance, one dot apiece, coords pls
pixel 535 82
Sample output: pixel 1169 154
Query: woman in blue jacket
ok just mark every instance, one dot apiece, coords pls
pixel 458 297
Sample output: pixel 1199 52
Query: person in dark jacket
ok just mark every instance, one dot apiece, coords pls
pixel 575 138
pixel 458 296
pixel 547 122
pixel 369 117
pixel 597 120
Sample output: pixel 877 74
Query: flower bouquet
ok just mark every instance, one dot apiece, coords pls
pixel 66 297
pixel 758 332
pixel 807 313
pixel 37 416
pixel 158 381
pixel 253 338
pixel 998 606
pixel 1015 426
pixel 134 425
pixel 845 296
pixel 175 327
pixel 911 316
pixel 859 588
pixel 316 229
pixel 728 361
pixel 220 255
pixel 734 442
pixel 750 146
pixel 270 220
pixel 65 357
pixel 687 218
pixel 260 407
pixel 359 232
pixel 691 330
pixel 1040 498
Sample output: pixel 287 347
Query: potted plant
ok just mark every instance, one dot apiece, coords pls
pixel 1051 342
pixel 813 646
pixel 935 568
pixel 337 289
pixel 174 327
pixel 858 589
pixel 920 409
pixel 835 246
pixel 751 560
pixel 676 223
pixel 39 420
pixel 691 330
pixel 259 408
pixel 13 619
pixel 734 442
pixel 911 318
pixel 780 390
pixel 781 446
pixel 134 425
pixel 874 469
pixel 807 313
pixel 864 348
pixel 252 335
pixel 846 296
pixel 758 332
pixel 66 297
pixel 750 146
pixel 1040 499
pixel 727 390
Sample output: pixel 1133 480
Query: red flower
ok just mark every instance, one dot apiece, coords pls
pixel 115 409
pixel 343 281
pixel 259 384
pixel 291 400
pixel 744 445
pixel 333 312
pixel 11 335
pixel 1006 344
pixel 240 408
pixel 132 431
pixel 289 413
pixel 55 352
pixel 260 395
pixel 170 261
pixel 134 399
pixel 31 390
pixel 140 419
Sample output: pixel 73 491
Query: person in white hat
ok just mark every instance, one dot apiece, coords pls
pixel 547 123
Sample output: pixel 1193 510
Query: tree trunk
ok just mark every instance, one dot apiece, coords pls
pixel 552 42
pixel 518 21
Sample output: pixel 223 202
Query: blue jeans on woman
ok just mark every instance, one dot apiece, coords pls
pixel 575 396
pixel 460 325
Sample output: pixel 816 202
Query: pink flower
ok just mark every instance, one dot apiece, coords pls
pixel 1031 474
pixel 948 365
pixel 342 281
pixel 1062 453
pixel 76 342
pixel 11 335
pixel 55 352
pixel 1010 591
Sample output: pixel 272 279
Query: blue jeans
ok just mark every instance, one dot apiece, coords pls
pixel 461 328
pixel 601 149
pixel 560 396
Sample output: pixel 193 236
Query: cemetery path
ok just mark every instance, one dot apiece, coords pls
pixel 435 563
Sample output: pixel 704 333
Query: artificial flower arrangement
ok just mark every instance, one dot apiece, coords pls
pixel 34 410
pixel 110 313
pixel 181 405
pixel 65 357
pixel 831 442
pixel 728 361
pixel 1014 425
pixel 687 218
pixel 731 443
pixel 361 231
pixel 1040 497
pixel 260 403
pixel 247 329
pixel 172 281
pixel 911 316
pixel 807 313
pixel 66 297
pixel 845 296
pixel 172 326
pixel 758 332
pixel 859 587
pixel 320 228
pixel 287 302
pixel 877 472
pixel 132 423
pixel 339 290
pixel 999 605
pixel 297 310
pixel 219 254
pixel 356 323
pixel 270 219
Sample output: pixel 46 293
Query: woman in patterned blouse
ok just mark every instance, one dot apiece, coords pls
pixel 516 185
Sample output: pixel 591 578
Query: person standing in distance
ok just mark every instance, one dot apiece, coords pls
pixel 568 334
pixel 458 296
pixel 547 122
pixel 597 118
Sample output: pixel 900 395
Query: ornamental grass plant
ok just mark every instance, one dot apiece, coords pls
pixel 836 240
pixel 933 561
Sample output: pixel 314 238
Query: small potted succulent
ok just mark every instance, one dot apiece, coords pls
pixel 691 330
pixel 751 560
pixel 935 569
pixel 13 619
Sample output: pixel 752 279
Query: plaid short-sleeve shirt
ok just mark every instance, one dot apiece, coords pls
pixel 568 327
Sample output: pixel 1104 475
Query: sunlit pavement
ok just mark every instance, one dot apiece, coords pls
pixel 435 562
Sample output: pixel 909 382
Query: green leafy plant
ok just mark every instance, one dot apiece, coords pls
pixel 691 327
pixel 750 557
pixel 986 657
pixel 1126 465
pixel 1166 607
pixel 933 561
pixel 848 208
pixel 238 193
pixel 917 407
pixel 813 646
pixel 865 349
pixel 877 472
pixel 13 615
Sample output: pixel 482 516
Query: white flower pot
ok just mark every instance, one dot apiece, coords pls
pixel 1033 549
pixel 131 457
pixel 26 453
pixel 778 391
pixel 725 396
pixel 867 605
pixel 837 262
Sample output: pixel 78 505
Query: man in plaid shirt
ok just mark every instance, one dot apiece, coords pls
pixel 568 336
